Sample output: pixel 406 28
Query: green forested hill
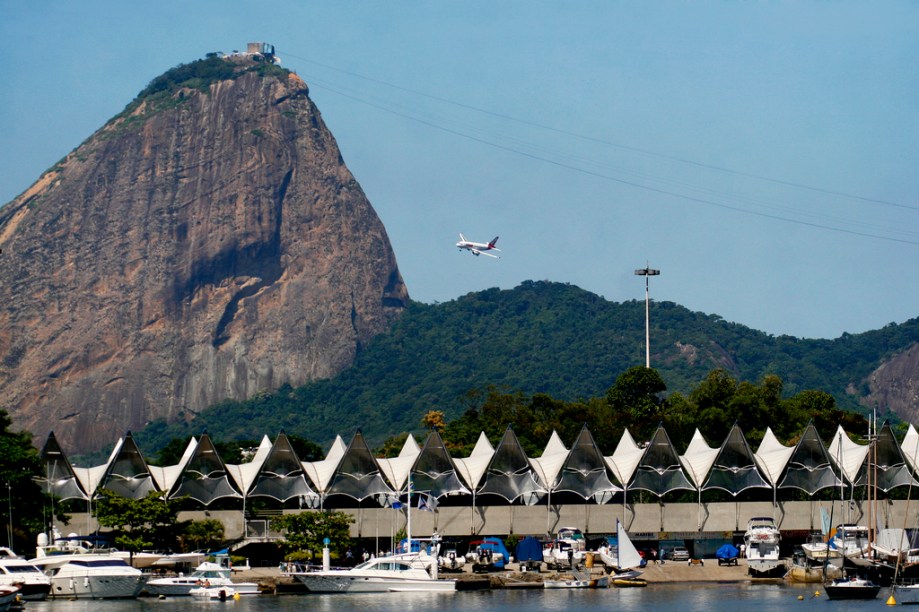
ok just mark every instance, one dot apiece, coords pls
pixel 539 337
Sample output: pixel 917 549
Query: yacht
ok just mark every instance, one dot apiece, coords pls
pixel 16 571
pixel 208 575
pixel 394 573
pixel 78 570
pixel 761 542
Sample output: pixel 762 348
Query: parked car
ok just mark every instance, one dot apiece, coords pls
pixel 680 553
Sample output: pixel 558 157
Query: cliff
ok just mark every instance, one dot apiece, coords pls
pixel 208 243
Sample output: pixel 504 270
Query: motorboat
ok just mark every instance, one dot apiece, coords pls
pixel 8 596
pixel 451 561
pixel 209 574
pixel 220 593
pixel 79 570
pixel 852 587
pixel 17 571
pixel 566 550
pixel 761 542
pixel 848 541
pixel 577 579
pixel 387 574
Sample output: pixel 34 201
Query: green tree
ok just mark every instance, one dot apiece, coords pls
pixel 19 468
pixel 138 523
pixel 306 530
pixel 636 400
pixel 203 535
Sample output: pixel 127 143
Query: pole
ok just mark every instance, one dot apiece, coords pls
pixel 647 272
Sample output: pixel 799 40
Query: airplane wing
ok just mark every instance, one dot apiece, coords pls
pixel 477 252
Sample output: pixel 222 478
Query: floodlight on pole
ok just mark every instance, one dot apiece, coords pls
pixel 647 272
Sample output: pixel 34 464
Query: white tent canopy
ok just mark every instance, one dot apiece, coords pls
pixel 848 455
pixel 772 456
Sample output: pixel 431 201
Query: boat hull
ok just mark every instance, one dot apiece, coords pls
pixel 95 587
pixel 853 592
pixel 322 583
pixel 182 587
pixel 906 595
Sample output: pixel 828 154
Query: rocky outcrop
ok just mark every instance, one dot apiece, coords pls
pixel 894 385
pixel 207 244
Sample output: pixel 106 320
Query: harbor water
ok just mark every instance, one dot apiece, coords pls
pixel 673 597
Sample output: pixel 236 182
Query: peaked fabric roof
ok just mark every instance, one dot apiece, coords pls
pixel 660 470
pixel 910 447
pixel 509 473
pixel 698 458
pixel 473 467
pixel 810 467
pixel 772 456
pixel 59 478
pixel 734 469
pixel 847 455
pixel 434 472
pixel 585 471
pixel 625 459
pixel 891 469
pixel 127 474
pixel 281 476
pixel 549 464
pixel 321 472
pixel 358 475
pixel 397 469
pixel 204 477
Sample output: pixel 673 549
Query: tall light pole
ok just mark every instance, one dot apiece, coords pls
pixel 647 273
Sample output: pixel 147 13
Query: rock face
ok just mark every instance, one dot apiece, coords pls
pixel 895 385
pixel 208 243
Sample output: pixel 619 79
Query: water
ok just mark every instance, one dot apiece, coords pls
pixel 671 597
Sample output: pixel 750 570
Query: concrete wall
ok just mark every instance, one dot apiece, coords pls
pixel 648 520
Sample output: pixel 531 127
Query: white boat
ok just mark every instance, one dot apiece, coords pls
pixel 8 595
pixel 600 582
pixel 566 550
pixel 849 541
pixel 77 570
pixel 220 593
pixel 17 571
pixel 394 573
pixel 209 574
pixel 761 542
pixel 451 561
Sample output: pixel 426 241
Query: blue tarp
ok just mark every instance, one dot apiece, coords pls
pixel 728 551
pixel 529 549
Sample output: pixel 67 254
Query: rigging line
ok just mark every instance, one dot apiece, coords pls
pixel 623 181
pixel 683 160
pixel 581 162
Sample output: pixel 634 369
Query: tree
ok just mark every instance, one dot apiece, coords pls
pixel 139 523
pixel 635 398
pixel 307 530
pixel 19 468
pixel 434 419
pixel 204 535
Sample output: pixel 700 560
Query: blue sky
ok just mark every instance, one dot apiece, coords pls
pixel 762 155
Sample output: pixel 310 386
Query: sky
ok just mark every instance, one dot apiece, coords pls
pixel 764 156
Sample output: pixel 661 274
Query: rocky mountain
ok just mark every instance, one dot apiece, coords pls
pixel 208 243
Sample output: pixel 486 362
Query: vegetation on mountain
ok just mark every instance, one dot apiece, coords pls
pixel 560 349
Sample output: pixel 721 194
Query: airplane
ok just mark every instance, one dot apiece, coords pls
pixel 478 248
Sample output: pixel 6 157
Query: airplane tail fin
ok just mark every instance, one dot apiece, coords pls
pixel 491 245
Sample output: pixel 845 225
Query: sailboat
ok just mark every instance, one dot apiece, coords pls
pixel 624 561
